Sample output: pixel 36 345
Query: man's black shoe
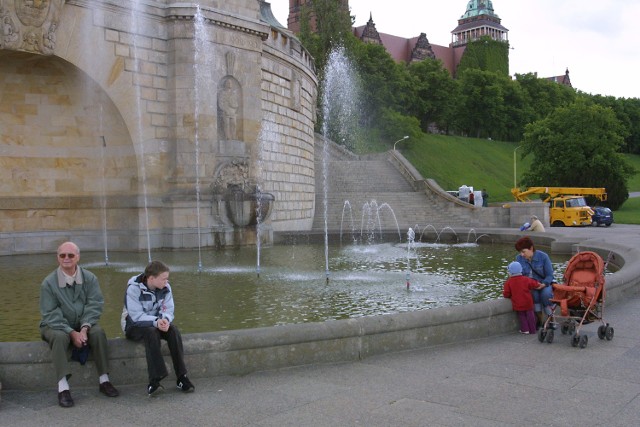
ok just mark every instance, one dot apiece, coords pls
pixel 108 389
pixel 64 399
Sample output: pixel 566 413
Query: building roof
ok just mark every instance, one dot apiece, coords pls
pixel 562 79
pixel 401 48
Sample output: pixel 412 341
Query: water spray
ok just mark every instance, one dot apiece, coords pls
pixel 104 204
pixel 411 236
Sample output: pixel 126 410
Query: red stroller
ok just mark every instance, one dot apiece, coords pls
pixel 580 300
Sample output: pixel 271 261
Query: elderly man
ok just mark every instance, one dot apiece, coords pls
pixel 536 224
pixel 71 305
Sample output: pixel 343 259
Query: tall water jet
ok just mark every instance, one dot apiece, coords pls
pixel 411 236
pixel 103 199
pixel 267 142
pixel 202 65
pixel 339 118
pixel 138 52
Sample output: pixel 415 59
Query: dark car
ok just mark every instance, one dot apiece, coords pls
pixel 601 215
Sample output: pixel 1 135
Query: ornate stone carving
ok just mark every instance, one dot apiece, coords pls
pixel 8 30
pixel 229 109
pixel 234 172
pixel 29 25
pixel 422 50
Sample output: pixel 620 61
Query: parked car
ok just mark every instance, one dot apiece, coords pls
pixel 601 215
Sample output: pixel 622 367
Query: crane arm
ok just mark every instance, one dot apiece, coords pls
pixel 523 196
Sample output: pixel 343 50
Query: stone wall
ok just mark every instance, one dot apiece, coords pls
pixel 114 122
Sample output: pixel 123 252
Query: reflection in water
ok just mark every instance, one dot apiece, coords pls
pixel 365 280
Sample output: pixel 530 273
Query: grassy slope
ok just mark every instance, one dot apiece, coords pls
pixel 453 161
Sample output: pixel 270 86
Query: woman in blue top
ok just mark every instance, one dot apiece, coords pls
pixel 537 265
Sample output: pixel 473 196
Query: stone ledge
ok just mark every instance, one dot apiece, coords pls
pixel 27 365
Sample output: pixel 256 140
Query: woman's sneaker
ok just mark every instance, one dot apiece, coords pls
pixel 185 385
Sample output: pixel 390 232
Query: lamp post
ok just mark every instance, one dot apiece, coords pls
pixel 401 139
pixel 514 166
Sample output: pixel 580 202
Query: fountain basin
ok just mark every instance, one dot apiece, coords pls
pixel 227 294
pixel 27 365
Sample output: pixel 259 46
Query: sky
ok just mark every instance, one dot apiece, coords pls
pixel 597 40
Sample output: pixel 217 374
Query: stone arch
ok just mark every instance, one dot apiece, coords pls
pixel 65 147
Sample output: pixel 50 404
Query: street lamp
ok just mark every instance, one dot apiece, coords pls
pixel 401 139
pixel 514 165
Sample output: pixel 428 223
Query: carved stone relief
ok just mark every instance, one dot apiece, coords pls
pixel 229 109
pixel 234 172
pixel 296 92
pixel 29 25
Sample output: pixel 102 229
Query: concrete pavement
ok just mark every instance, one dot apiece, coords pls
pixel 509 379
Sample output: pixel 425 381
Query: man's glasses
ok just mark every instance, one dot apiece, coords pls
pixel 70 256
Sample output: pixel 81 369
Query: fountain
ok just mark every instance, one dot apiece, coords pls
pixel 178 93
pixel 366 280
pixel 339 116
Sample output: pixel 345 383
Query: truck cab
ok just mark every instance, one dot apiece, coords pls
pixel 569 211
pixel 567 205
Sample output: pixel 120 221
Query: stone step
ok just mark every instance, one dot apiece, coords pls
pixel 378 195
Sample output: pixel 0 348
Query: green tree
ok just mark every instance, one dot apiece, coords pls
pixel 517 110
pixel 577 146
pixel 332 24
pixel 631 107
pixel 383 82
pixel 386 92
pixel 628 112
pixel 480 112
pixel 434 94
pixel 543 96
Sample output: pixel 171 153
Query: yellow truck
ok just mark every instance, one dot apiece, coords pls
pixel 567 206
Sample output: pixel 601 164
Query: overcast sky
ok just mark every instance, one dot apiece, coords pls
pixel 597 40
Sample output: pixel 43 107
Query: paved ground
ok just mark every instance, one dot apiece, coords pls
pixel 506 380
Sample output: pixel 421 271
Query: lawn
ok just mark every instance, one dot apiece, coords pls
pixel 453 161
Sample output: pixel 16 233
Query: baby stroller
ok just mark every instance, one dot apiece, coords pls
pixel 580 300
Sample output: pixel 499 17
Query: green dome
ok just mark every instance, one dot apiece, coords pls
pixel 478 8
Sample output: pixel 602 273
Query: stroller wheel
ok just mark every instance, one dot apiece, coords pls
pixel 583 341
pixel 550 336
pixel 575 340
pixel 564 329
pixel 602 331
pixel 608 333
pixel 542 334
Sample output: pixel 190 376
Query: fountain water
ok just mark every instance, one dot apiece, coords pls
pixel 136 26
pixel 411 236
pixel 339 115
pixel 365 280
pixel 267 143
pixel 346 205
pixel 202 66
pixel 103 201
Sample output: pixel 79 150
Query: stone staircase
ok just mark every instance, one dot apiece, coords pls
pixel 371 193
